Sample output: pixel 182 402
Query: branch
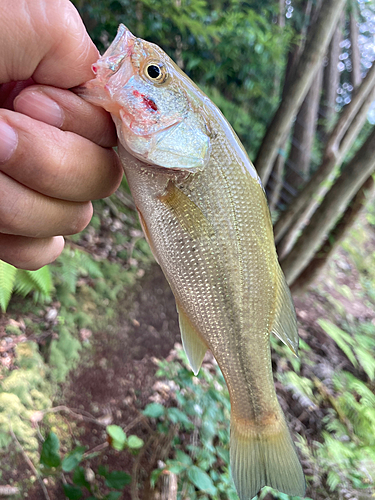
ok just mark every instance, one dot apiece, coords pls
pixel 7 491
pixel 331 80
pixel 80 416
pixel 307 66
pixel 357 124
pixel 349 112
pixel 337 234
pixel 332 158
pixel 30 464
pixel 356 56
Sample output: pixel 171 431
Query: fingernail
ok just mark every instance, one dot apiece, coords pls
pixel 39 106
pixel 8 141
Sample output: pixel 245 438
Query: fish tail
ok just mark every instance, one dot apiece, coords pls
pixel 264 456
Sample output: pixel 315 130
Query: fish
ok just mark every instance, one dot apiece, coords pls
pixel 204 213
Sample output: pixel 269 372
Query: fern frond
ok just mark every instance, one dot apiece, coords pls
pixel 88 266
pixel 24 284
pixel 42 280
pixel 333 480
pixel 342 339
pixel 366 360
pixel 7 278
pixel 367 396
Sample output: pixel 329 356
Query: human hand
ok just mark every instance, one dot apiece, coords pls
pixel 55 148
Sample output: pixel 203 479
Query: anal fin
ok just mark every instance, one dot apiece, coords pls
pixel 194 346
pixel 285 322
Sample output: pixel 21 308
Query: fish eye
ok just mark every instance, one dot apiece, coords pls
pixel 156 72
pixel 153 71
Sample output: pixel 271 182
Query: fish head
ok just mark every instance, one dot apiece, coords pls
pixel 158 111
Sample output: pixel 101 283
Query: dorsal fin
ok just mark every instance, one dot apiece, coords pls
pixel 194 346
pixel 285 323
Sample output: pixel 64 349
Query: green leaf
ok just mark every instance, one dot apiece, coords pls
pixel 50 451
pixel 79 478
pixel 223 453
pixel 71 460
pixel 134 442
pixel 117 479
pixel 154 410
pixel 183 458
pixel 72 492
pixel 175 467
pixel 177 416
pixel 201 480
pixel 113 495
pixel 232 495
pixel 117 435
pixel 155 474
pixel 7 279
pixel 103 470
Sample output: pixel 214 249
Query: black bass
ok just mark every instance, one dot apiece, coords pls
pixel 205 215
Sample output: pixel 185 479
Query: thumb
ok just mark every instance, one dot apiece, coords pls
pixel 46 40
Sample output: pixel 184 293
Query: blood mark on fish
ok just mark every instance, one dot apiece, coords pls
pixel 146 100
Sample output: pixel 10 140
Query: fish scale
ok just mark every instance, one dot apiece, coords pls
pixel 204 213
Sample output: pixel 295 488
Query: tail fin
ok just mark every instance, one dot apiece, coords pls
pixel 264 458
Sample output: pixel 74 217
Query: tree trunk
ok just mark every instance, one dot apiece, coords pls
pixel 336 236
pixel 307 66
pixel 334 154
pixel 356 56
pixel 281 23
pixel 331 78
pixel 277 182
pixel 334 204
pixel 303 134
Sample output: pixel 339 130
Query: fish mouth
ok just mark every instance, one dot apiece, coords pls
pixel 98 91
pixel 120 49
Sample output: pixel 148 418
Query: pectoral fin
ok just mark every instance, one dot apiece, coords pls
pixel 146 232
pixel 194 347
pixel 285 322
pixel 188 214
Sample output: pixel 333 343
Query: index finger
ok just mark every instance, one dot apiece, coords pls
pixel 46 40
